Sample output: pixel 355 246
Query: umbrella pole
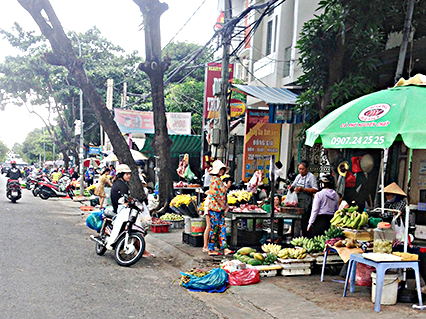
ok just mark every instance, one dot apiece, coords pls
pixel 382 178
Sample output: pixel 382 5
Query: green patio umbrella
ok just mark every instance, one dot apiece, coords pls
pixel 375 121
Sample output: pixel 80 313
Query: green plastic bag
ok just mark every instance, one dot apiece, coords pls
pixel 189 175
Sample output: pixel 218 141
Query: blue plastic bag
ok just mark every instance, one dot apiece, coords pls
pixel 94 221
pixel 216 280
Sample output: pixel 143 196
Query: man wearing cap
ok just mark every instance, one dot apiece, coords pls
pixel 394 200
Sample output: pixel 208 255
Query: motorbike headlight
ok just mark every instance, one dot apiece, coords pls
pixel 139 205
pixel 133 215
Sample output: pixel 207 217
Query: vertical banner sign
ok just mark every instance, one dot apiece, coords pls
pixel 211 104
pixel 261 140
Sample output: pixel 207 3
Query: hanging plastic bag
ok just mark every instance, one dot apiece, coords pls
pixel 189 175
pixel 94 221
pixel 291 199
pixel 145 215
pixel 244 277
pixel 399 230
pixel 216 280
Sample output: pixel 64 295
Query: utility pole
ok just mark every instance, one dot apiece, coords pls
pixel 223 113
pixel 405 37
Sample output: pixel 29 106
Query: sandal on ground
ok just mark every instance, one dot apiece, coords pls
pixel 230 252
pixel 214 253
pixel 205 250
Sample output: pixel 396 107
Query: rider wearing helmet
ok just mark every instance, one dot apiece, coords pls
pixel 325 204
pixel 120 186
pixel 14 172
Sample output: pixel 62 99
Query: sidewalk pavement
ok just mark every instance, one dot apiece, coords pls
pixel 273 297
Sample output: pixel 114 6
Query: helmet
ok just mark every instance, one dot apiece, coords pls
pixel 123 168
pixel 12 162
pixel 326 181
pixel 91 166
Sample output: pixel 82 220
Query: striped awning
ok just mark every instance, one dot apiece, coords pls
pixel 271 95
pixel 181 144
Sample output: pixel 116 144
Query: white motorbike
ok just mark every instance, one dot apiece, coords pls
pixel 123 232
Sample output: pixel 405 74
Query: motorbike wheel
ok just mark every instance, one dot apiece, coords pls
pixel 13 199
pixel 28 186
pixel 134 252
pixel 44 196
pixel 36 191
pixel 100 250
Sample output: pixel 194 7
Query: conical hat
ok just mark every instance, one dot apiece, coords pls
pixel 394 189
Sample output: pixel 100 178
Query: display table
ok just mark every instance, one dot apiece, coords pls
pixel 295 215
pixel 381 268
pixel 254 234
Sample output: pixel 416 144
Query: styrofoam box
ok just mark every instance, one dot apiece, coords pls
pixel 296 272
pixel 331 259
pixel 267 273
pixel 296 265
pixel 420 232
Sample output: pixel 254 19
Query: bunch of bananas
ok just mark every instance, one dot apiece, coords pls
pixel 185 278
pixel 271 248
pixel 241 196
pixel 292 253
pixel 231 200
pixel 350 218
pixel 179 200
pixel 316 244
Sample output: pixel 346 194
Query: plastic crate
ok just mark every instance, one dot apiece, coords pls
pixel 160 228
pixel 191 240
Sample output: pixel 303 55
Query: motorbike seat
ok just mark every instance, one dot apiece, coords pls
pixel 109 213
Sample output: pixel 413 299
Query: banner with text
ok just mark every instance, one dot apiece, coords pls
pixel 130 121
pixel 261 140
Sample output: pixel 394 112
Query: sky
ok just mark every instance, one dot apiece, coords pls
pixel 118 20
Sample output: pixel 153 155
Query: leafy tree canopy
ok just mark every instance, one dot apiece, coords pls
pixel 3 151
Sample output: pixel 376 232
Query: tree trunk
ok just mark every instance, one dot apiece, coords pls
pixel 64 55
pixel 155 67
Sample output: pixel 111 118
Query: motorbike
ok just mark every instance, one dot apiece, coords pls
pixel 61 189
pixel 39 179
pixel 13 191
pixel 123 233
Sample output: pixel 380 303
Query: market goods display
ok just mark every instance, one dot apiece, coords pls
pixel 348 243
pixel 333 241
pixel 180 184
pixel 271 248
pixel 183 199
pixel 382 246
pixel 246 251
pixel 240 196
pixel 194 272
pixel 334 232
pixel 248 260
pixel 270 259
pixel 158 221
pixel 292 253
pixel 245 208
pixel 316 244
pixel 172 217
pixel 249 256
pixel 406 256
pixel 350 218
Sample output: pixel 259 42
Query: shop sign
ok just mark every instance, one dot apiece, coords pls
pixel 261 140
pixel 211 103
pixel 130 121
pixel 374 112
pixel 94 150
pixel 237 107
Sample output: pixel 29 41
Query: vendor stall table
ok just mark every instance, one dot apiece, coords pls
pixel 233 242
pixel 381 268
pixel 293 213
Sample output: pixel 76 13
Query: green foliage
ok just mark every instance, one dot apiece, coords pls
pixel 32 146
pixel 3 151
pixel 339 48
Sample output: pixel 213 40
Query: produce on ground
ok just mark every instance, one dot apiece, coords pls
pixel 292 253
pixel 248 260
pixel 246 251
pixel 194 272
pixel 350 218
pixel 172 217
pixel 271 248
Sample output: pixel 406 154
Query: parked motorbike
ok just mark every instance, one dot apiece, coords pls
pixel 61 189
pixel 13 190
pixel 125 235
pixel 39 179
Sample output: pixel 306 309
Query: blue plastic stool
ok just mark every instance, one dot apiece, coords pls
pixel 327 249
pixel 381 268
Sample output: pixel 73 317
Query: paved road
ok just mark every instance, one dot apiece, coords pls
pixel 48 269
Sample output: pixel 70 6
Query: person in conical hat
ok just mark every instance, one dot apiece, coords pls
pixel 394 196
